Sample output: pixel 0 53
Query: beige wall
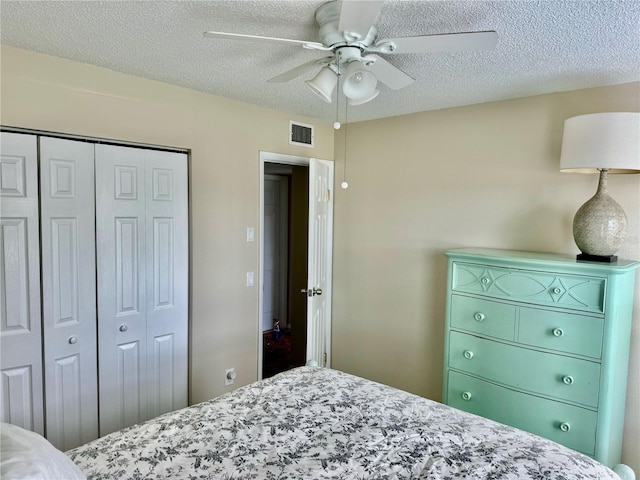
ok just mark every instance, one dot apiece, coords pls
pixel 484 175
pixel 43 92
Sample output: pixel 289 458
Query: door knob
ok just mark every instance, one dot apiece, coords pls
pixel 123 328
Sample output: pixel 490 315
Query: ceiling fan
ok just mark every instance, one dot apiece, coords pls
pixel 349 36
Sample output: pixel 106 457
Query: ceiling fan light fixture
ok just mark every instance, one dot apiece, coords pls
pixel 349 36
pixel 324 83
pixel 359 101
pixel 360 84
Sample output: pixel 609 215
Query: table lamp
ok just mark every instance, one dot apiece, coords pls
pixel 606 143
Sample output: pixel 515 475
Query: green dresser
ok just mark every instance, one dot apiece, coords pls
pixel 541 342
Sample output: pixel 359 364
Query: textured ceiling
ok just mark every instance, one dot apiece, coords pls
pixel 543 46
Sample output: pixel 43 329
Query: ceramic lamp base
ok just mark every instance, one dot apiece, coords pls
pixel 600 225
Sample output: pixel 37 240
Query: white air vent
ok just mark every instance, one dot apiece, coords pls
pixel 300 134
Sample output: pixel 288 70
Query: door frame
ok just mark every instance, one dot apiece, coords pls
pixel 271 157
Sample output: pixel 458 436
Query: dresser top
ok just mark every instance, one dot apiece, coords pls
pixel 535 258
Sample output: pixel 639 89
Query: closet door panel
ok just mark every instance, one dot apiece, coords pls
pixel 129 377
pixel 120 211
pixel 167 280
pixel 21 398
pixel 68 288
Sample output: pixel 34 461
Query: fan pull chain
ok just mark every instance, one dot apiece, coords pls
pixel 344 183
pixel 336 125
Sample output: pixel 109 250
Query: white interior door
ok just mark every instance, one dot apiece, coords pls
pixel 69 291
pixel 122 327
pixel 21 399
pixel 167 274
pixel 143 281
pixel 319 262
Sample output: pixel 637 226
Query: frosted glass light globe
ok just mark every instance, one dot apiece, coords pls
pixel 336 125
pixel 344 185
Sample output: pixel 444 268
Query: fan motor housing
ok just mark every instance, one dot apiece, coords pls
pixel 348 54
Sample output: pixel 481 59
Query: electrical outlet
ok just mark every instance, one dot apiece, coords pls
pixel 229 376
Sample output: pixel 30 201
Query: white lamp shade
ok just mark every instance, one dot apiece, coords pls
pixel 601 141
pixel 359 101
pixel 359 83
pixel 323 83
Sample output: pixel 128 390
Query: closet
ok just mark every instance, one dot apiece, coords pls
pixel 94 285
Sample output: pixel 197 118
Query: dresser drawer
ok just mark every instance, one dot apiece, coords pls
pixel 572 426
pixel 565 332
pixel 548 374
pixel 486 317
pixel 571 291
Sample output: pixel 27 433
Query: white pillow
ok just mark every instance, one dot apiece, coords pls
pixel 26 455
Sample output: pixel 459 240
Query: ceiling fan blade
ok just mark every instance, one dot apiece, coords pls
pixel 258 38
pixel 391 76
pixel 357 16
pixel 448 42
pixel 300 69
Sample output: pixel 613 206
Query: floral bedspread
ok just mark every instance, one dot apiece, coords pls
pixel 317 423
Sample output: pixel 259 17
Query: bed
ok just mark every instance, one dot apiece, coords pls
pixel 319 423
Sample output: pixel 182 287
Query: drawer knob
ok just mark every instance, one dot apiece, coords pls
pixel 479 316
pixel 123 328
pixel 485 280
pixel 565 427
pixel 556 290
pixel 468 354
pixel 73 340
pixel 567 379
pixel 558 332
pixel 466 396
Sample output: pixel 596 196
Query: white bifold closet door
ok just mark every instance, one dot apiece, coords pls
pixel 69 291
pixel 21 395
pixel 142 264
pixel 106 244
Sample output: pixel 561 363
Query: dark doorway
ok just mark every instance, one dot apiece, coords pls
pixel 284 315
